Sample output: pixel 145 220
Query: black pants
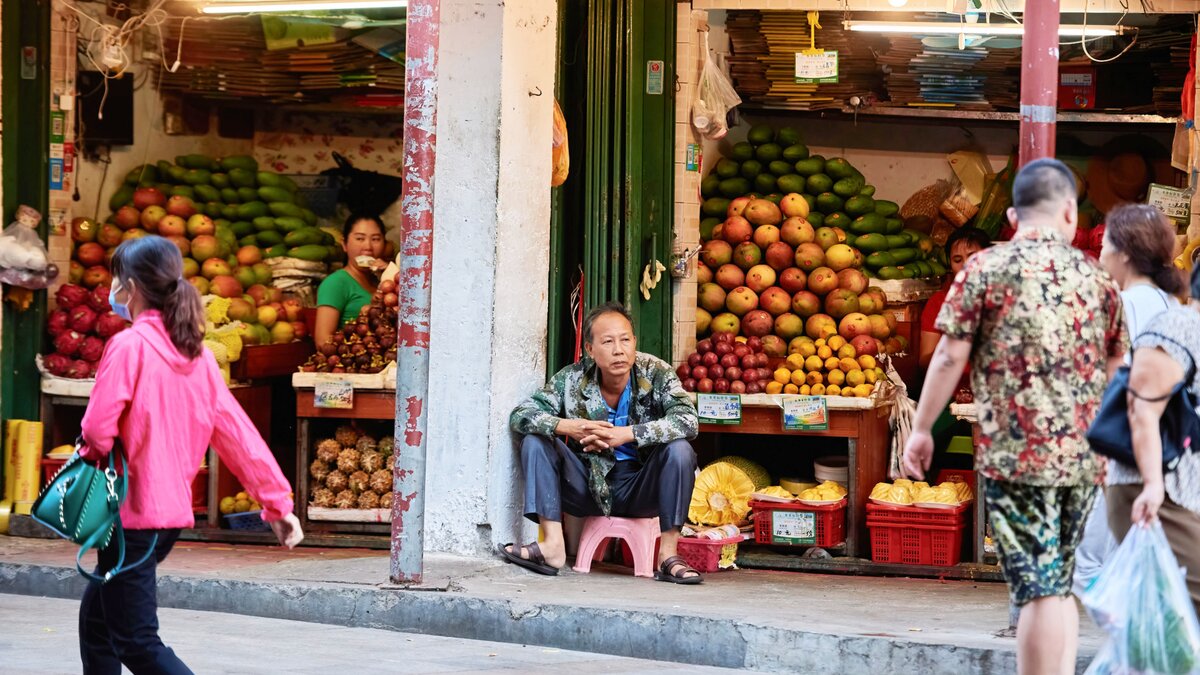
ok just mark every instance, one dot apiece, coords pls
pixel 556 482
pixel 118 621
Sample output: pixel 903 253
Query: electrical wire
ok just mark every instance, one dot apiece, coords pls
pixel 1083 38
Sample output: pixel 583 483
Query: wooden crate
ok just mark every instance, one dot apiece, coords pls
pixel 261 361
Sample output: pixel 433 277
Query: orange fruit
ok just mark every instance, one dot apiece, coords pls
pixel 807 349
pixel 855 378
pixel 869 376
pixel 863 390
pixel 824 352
pixel 867 361
pixel 833 390
pixel 795 361
pixel 847 352
pixel 774 388
pixel 836 377
pixel 791 389
pixel 814 377
pixel 836 342
pixel 782 376
pixel 798 377
pixel 806 390
pixel 832 363
pixel 849 365
pixel 813 363
pixel 818 390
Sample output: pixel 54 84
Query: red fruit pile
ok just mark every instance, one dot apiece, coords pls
pixel 722 364
pixel 79 329
pixel 1089 240
pixel 366 344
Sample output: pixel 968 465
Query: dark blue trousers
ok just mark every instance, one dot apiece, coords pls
pixel 556 482
pixel 118 621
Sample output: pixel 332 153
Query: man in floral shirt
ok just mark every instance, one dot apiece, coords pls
pixel 1041 325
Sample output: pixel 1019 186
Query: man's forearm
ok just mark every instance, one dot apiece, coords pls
pixel 945 369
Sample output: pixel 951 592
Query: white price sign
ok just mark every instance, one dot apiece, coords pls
pixel 719 408
pixel 816 67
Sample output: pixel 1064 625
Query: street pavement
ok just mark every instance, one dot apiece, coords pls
pixel 39 638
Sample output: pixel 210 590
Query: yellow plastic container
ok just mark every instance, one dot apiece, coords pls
pixel 27 466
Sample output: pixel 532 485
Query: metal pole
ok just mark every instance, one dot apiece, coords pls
pixel 416 266
pixel 1039 80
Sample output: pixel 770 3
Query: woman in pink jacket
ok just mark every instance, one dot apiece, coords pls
pixel 161 393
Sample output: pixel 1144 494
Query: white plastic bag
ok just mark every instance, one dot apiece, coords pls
pixel 716 96
pixel 23 258
pixel 1141 600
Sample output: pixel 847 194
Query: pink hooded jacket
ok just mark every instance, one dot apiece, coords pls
pixel 168 409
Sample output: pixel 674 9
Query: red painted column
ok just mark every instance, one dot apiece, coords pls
pixel 416 271
pixel 1039 80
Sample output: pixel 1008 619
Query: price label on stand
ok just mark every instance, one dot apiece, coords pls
pixel 333 393
pixel 795 528
pixel 719 408
pixel 1175 204
pixel 805 413
pixel 816 67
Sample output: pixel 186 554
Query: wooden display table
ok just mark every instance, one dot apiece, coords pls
pixel 865 426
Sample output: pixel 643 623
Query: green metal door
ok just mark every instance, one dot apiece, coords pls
pixel 616 83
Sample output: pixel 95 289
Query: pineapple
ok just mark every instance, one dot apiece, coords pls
pixel 385 446
pixel 345 500
pixel 322 497
pixel 370 461
pixel 318 470
pixel 385 500
pixel 368 500
pixel 347 460
pixel 358 481
pixel 365 444
pixel 327 450
pixel 336 481
pixel 346 436
pixel 381 481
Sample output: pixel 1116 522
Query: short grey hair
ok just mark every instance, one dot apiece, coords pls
pixel 599 311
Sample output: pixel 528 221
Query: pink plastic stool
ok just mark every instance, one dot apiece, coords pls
pixel 641 534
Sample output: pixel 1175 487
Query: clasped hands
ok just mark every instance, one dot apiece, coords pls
pixel 593 435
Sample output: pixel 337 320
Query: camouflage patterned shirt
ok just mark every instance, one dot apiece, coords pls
pixel 661 412
pixel 1043 319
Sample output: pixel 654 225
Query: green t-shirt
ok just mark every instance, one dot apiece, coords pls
pixel 342 292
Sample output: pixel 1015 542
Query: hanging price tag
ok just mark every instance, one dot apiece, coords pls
pixel 719 408
pixel 816 67
pixel 1175 204
pixel 805 413
pixel 333 393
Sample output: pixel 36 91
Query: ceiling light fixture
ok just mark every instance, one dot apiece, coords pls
pixel 263 6
pixel 954 28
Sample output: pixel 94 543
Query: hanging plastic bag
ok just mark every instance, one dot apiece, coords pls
pixel 715 98
pixel 560 156
pixel 23 258
pixel 1141 600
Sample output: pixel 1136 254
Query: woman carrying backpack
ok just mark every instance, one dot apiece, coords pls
pixel 161 394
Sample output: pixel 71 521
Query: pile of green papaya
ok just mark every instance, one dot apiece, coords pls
pixel 772 163
pixel 260 208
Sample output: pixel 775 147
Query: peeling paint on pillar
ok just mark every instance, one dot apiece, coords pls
pixel 1039 81
pixel 416 270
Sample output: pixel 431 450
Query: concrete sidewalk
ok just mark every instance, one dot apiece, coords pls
pixel 761 620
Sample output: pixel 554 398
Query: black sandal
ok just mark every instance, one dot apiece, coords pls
pixel 536 562
pixel 664 572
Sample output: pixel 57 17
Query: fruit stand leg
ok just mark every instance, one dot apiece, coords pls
pixel 416 271
pixel 1039 80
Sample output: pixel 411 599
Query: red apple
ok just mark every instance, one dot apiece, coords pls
pixel 710 359
pixel 721 385
pixel 693 359
pixel 737 387
pixel 704 385
pixel 716 372
pixel 700 372
pixel 704 346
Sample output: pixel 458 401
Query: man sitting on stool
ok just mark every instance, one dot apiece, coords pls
pixel 628 421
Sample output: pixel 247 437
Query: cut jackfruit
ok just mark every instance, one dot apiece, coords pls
pixel 753 470
pixel 721 495
pixel 776 491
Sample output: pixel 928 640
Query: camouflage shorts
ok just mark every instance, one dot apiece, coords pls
pixel 1037 530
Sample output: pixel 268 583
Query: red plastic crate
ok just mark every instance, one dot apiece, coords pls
pixel 50 466
pixel 703 555
pixel 828 524
pixel 912 535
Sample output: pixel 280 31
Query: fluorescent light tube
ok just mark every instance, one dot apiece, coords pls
pixel 954 28
pixel 251 6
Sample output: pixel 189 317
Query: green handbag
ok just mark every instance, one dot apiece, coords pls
pixel 83 503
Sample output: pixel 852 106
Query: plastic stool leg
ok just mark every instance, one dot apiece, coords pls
pixel 589 545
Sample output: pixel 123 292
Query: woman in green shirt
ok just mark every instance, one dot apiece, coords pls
pixel 346 291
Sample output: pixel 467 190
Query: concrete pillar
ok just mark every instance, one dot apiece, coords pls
pixel 491 262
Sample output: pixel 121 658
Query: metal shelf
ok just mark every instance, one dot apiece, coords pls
pixel 934 114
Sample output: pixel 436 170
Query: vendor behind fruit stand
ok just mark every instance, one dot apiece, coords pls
pixel 348 290
pixel 961 245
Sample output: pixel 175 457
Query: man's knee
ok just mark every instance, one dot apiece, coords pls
pixel 680 455
pixel 533 444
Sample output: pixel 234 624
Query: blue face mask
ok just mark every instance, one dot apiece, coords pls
pixel 118 308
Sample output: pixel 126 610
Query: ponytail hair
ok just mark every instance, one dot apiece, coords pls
pixel 155 266
pixel 1145 235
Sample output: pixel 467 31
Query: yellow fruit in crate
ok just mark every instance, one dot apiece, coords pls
pixel 833 485
pixel 776 491
pixel 870 376
pixel 798 377
pixel 880 491
pixel 255 506
pixel 791 389
pixel 242 495
pixel 855 377
pixel 795 362
pixel 783 375
pixel 241 505
pixel 814 378
pixel 806 390
pixel 867 362
pixel 813 363
pixel 226 505
pixel 849 365
pixel 817 390
pixel 836 377
pixel 847 352
pixel 836 342
pixel 774 388
pixel 832 363
pixel 824 352
pixel 899 495
pixel 902 482
pixel 833 390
